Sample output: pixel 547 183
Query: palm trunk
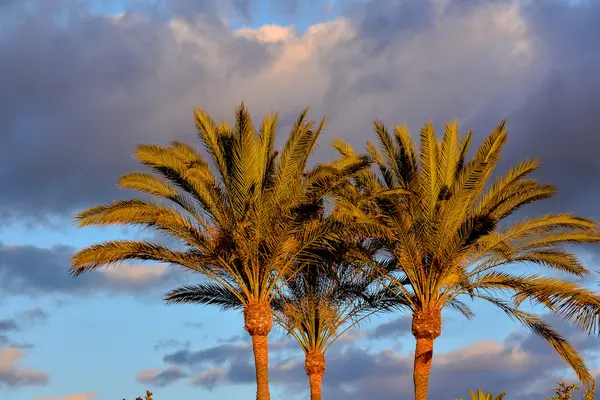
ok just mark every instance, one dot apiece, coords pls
pixel 422 368
pixel 260 345
pixel 259 321
pixel 426 327
pixel 315 367
pixel 316 383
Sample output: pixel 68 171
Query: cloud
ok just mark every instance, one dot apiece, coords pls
pixel 14 375
pixel 29 270
pixel 393 329
pixel 8 325
pixel 5 341
pixel 125 89
pixel 160 378
pixel 34 315
pixel 76 396
pixel 218 355
pixel 522 364
pixel 209 379
pixel 195 325
pixel 24 319
pixel 170 343
pixel 241 337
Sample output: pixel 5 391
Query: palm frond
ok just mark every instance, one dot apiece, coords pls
pixel 206 294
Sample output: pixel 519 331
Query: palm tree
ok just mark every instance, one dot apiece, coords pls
pixel 246 218
pixel 321 303
pixel 448 236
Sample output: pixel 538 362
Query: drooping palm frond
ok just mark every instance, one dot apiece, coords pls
pixel 545 331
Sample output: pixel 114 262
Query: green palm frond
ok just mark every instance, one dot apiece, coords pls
pixel 207 294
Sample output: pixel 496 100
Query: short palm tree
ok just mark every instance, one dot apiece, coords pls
pixel 448 236
pixel 323 302
pixel 246 218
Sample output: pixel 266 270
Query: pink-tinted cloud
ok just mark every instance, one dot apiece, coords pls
pixel 76 396
pixel 14 375
pixel 159 377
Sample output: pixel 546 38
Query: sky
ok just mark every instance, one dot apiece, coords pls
pixel 83 81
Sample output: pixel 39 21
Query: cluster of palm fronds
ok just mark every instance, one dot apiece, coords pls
pixel 565 391
pixel 318 249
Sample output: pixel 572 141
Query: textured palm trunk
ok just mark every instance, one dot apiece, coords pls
pixel 258 320
pixel 315 367
pixel 426 327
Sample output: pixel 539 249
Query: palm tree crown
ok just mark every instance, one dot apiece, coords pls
pixel 246 218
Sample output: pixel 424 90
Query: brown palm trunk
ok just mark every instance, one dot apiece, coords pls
pixel 315 367
pixel 260 345
pixel 426 327
pixel 259 321
pixel 422 368
pixel 316 382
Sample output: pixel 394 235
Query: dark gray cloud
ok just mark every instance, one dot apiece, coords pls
pixel 522 365
pixel 211 378
pixel 160 378
pixel 96 86
pixel 399 19
pixel 558 120
pixel 5 341
pixel 393 329
pixel 169 344
pixel 215 355
pixel 29 270
pixel 91 107
pixel 8 325
pixel 13 326
pixel 242 337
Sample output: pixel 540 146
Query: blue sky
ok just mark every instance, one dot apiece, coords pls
pixel 263 12
pixel 92 87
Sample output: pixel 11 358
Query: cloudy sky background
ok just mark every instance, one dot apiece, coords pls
pixel 83 81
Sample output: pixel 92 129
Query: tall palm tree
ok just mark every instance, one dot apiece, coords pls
pixel 246 218
pixel 448 236
pixel 317 305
